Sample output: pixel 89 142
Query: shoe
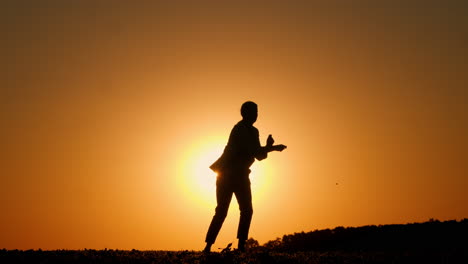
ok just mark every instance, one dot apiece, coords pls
pixel 207 248
pixel 241 246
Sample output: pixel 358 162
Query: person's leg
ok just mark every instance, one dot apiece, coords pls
pixel 244 198
pixel 223 198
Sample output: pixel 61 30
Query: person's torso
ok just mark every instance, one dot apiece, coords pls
pixel 239 153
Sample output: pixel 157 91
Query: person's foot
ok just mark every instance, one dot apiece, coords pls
pixel 241 246
pixel 207 248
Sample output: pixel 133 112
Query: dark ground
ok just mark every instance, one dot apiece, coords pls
pixel 259 255
pixel 429 242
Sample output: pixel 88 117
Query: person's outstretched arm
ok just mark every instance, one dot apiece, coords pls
pixel 262 152
pixel 270 147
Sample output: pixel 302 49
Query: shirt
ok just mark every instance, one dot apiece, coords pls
pixel 242 149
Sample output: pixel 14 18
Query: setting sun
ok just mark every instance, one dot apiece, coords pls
pixel 197 181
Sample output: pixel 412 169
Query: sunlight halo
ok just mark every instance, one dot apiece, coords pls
pixel 197 181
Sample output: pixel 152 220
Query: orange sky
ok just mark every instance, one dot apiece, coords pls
pixel 111 115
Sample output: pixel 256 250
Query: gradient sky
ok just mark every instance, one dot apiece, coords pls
pixel 112 111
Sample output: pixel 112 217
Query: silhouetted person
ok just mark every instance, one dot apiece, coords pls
pixel 242 149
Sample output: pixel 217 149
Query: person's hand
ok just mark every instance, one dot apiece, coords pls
pixel 279 147
pixel 270 141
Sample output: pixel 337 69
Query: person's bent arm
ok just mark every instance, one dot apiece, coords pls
pixel 262 153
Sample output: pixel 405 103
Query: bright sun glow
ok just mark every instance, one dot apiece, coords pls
pixel 198 182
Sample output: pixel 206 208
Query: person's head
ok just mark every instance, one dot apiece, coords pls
pixel 249 112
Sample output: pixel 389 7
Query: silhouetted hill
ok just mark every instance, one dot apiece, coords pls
pixel 431 235
pixel 430 242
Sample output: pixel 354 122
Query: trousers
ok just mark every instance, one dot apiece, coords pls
pixel 225 188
